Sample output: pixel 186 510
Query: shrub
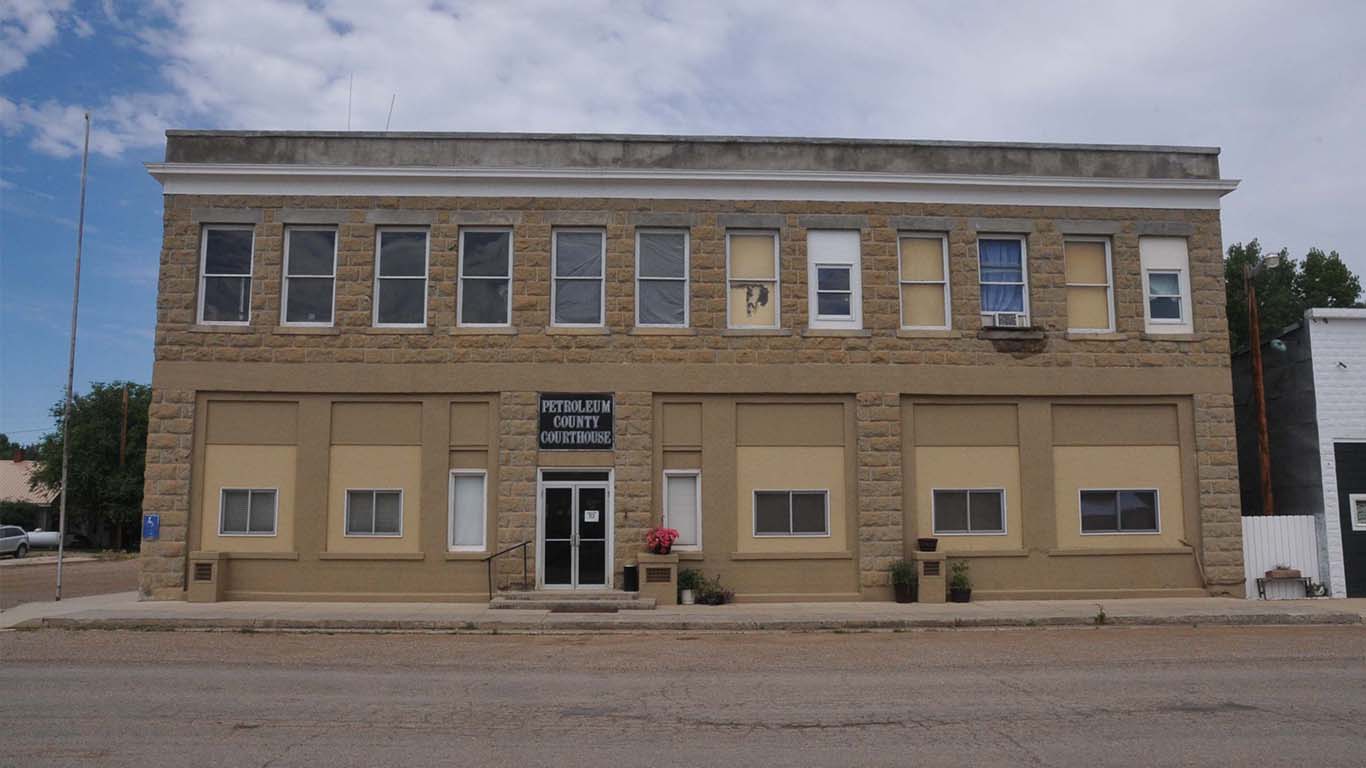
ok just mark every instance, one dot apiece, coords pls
pixel 958 575
pixel 903 573
pixel 690 578
pixel 711 592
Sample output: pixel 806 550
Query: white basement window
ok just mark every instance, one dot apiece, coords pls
pixel 374 512
pixel 662 278
pixel 225 266
pixel 683 507
pixel 310 276
pixel 247 512
pixel 401 278
pixel 960 511
pixel 485 277
pixel 1166 285
pixel 469 503
pixel 792 513
pixel 578 291
pixel 1119 511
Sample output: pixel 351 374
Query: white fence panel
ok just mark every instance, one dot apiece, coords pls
pixel 1279 540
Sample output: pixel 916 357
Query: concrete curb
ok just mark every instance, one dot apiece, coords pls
pixel 677 625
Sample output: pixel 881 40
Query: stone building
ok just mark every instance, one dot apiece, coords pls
pixel 381 358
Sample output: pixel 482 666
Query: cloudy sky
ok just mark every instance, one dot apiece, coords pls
pixel 1280 86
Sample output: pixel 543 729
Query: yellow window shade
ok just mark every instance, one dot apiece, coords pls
pixel 753 305
pixel 922 258
pixel 1088 308
pixel 922 305
pixel 1085 262
pixel 751 256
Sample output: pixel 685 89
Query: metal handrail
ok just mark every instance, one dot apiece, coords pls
pixel 489 562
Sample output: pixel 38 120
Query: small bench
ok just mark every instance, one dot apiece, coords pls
pixel 1305 580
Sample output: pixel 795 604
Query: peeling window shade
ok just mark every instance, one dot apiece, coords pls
pixel 578 278
pixel 310 271
pixel 226 278
pixel 1088 286
pixel 680 495
pixel 662 279
pixel 753 282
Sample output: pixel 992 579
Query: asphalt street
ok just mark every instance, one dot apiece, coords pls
pixel 1105 696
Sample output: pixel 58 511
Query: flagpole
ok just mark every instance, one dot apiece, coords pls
pixel 71 362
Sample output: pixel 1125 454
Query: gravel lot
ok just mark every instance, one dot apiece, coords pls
pixel 27 583
pixel 1111 696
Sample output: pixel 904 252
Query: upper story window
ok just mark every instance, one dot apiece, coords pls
pixel 1004 277
pixel 924 274
pixel 1090 292
pixel 578 290
pixel 485 277
pixel 225 274
pixel 752 279
pixel 835 299
pixel 1166 285
pixel 310 276
pixel 401 277
pixel 662 278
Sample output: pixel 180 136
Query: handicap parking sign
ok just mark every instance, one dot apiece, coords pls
pixel 151 527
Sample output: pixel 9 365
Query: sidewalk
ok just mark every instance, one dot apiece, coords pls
pixel 123 611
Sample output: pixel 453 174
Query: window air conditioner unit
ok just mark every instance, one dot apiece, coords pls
pixel 1004 320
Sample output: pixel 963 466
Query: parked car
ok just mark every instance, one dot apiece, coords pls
pixel 13 541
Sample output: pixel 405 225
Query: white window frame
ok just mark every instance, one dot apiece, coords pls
pixel 696 474
pixel 1108 285
pixel 426 274
pixel 777 280
pixel 831 260
pixel 461 277
pixel 274 516
pixel 601 278
pixel 754 513
pixel 203 277
pixel 1005 511
pixel 686 279
pixel 285 276
pixel 1024 273
pixel 482 546
pixel 1358 525
pixel 1180 297
pixel 1157 501
pixel 901 279
pixel 346 514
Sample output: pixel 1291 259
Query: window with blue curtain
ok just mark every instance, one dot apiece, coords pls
pixel 1001 271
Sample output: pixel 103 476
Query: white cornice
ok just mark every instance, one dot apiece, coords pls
pixel 651 183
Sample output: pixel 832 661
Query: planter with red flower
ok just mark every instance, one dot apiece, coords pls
pixel 660 541
pixel 659 566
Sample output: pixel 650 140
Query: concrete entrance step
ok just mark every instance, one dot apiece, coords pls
pixel 577 601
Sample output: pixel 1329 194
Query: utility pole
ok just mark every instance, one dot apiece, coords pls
pixel 123 427
pixel 1258 388
pixel 71 363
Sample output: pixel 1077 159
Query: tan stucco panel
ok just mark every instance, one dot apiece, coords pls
pixel 789 468
pixel 248 466
pixel 376 423
pixel 683 460
pixel 232 422
pixel 968 467
pixel 1118 467
pixel 469 423
pixel 790 424
pixel 682 424
pixel 374 467
pixel 987 424
pixel 469 459
pixel 1115 425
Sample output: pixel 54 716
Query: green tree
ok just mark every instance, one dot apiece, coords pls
pixel 9 447
pixel 1325 281
pixel 1285 291
pixel 100 490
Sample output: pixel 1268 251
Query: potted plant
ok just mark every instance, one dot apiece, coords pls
pixel 926 544
pixel 660 540
pixel 904 581
pixel 960 586
pixel 1282 571
pixel 710 592
pixel 689 579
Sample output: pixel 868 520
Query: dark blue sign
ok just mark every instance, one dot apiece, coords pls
pixel 151 527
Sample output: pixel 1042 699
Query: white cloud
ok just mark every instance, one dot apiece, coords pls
pixel 27 26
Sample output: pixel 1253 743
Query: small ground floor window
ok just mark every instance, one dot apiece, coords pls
pixel 1119 511
pixel 791 513
pixel 374 513
pixel 961 511
pixel 247 512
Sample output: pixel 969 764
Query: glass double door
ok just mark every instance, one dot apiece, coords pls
pixel 574 534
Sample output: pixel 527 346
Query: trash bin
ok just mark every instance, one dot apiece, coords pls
pixel 630 577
